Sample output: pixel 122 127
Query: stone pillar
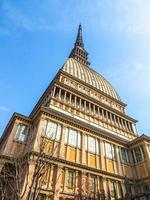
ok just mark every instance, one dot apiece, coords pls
pixel 70 99
pixel 54 89
pixel 65 96
pixel 76 188
pixel 105 189
pixel 65 178
pixel 146 151
pixel 62 142
pixel 123 188
pixel 97 153
pixel 27 185
pixel 102 155
pixel 134 156
pixel 51 177
pixel 83 149
pixel 58 178
pixel 83 184
pixel 119 168
pixel 59 95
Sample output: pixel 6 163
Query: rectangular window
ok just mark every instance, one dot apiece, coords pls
pixel 21 133
pixel 147 188
pixel 143 151
pixel 70 179
pixel 73 138
pixel 138 154
pixel 92 183
pixel 52 130
pixel 110 151
pixel 124 155
pixel 112 188
pixel 91 144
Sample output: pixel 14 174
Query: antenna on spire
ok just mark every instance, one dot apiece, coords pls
pixel 79 41
pixel 78 52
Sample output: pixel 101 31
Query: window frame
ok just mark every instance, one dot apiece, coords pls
pixel 70 183
pixel 21 133
pixel 58 131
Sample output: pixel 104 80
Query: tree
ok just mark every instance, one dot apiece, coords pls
pixel 14 177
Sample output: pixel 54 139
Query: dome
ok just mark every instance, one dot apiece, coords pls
pixel 89 76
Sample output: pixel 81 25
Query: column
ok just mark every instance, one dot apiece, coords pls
pixel 65 96
pixel 102 155
pixel 65 178
pixel 80 104
pixel 70 99
pixel 83 184
pixel 76 189
pixel 97 142
pixel 51 177
pixel 83 149
pixel 103 117
pixel 147 150
pixel 134 128
pixel 126 126
pixel 119 168
pixel 105 189
pixel 75 101
pixel 123 188
pixel 57 183
pixel 53 94
pixel 98 184
pixel 85 106
pixel 62 143
pixel 59 96
pixel 134 156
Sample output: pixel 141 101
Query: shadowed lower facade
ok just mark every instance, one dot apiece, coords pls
pixel 77 143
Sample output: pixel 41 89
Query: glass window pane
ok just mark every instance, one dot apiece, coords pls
pixel 91 144
pixel 108 150
pixel 97 147
pixel 79 139
pixel 124 155
pixel 70 179
pixel 86 148
pixel 51 130
pixel 44 126
pixel 21 133
pixel 72 137
pixel 66 136
pixel 58 135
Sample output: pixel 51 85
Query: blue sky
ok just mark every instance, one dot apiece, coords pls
pixel 37 36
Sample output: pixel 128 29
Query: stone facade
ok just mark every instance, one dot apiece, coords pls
pixel 79 138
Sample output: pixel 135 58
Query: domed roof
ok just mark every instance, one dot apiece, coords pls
pixel 89 76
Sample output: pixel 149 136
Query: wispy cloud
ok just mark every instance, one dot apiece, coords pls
pixel 3 108
pixel 22 19
pixel 131 16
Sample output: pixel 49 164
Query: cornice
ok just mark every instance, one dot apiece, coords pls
pixel 11 121
pixel 55 99
pixel 77 165
pixel 139 139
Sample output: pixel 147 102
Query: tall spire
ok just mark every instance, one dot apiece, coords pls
pixel 79 41
pixel 78 52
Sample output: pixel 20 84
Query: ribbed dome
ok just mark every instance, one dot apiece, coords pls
pixel 89 76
